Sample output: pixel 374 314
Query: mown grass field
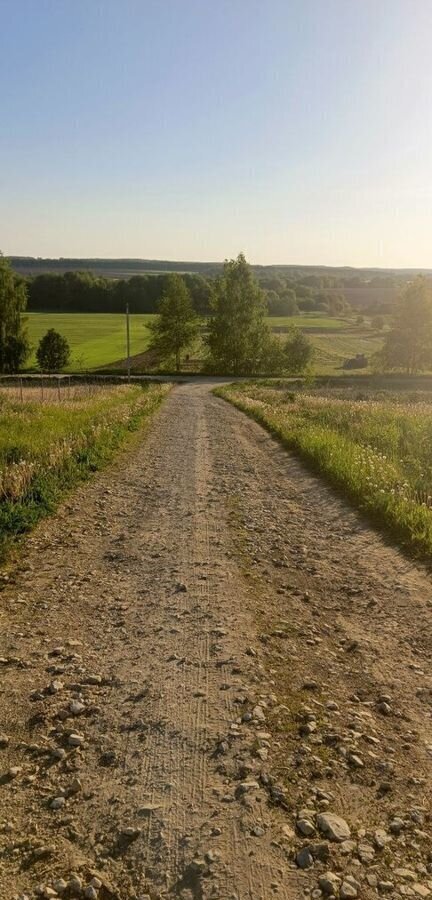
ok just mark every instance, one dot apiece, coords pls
pixel 375 448
pixel 335 340
pixel 46 447
pixel 96 339
pixel 331 350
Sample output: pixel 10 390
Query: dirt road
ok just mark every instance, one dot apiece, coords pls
pixel 204 657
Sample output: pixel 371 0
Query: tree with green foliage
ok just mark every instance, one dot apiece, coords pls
pixel 201 291
pixel 408 344
pixel 272 283
pixel 273 360
pixel 272 300
pixel 336 303
pixel 15 352
pixel 298 351
pixel 378 323
pixel 289 303
pixel 176 326
pixel 14 346
pixel 238 334
pixel 283 304
pixel 53 352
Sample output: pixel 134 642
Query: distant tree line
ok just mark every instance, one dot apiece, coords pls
pixel 343 276
pixel 84 292
pixel 285 295
pixel 25 265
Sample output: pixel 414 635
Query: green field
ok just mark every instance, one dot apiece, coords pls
pixel 334 339
pixel 96 339
pixel 376 449
pixel 99 339
pixel 331 350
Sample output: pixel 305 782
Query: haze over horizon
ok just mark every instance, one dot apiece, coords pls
pixel 298 132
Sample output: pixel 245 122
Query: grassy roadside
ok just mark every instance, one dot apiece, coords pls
pixel 376 452
pixel 47 448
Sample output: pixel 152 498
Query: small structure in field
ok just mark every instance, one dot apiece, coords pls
pixel 360 361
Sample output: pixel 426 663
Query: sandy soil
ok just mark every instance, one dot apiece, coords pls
pixel 202 651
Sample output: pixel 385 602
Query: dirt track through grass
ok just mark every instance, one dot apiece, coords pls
pixel 202 603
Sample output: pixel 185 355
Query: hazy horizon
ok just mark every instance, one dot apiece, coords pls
pixel 210 262
pixel 190 131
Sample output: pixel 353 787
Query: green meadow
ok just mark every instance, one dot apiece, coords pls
pixel 332 349
pixel 99 339
pixel 96 339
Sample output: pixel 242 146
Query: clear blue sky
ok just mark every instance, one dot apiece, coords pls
pixel 299 131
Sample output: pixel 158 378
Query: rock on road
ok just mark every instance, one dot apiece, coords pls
pixel 216 682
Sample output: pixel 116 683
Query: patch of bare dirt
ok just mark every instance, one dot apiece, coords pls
pixel 139 362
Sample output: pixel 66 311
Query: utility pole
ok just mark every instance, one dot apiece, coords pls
pixel 128 344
